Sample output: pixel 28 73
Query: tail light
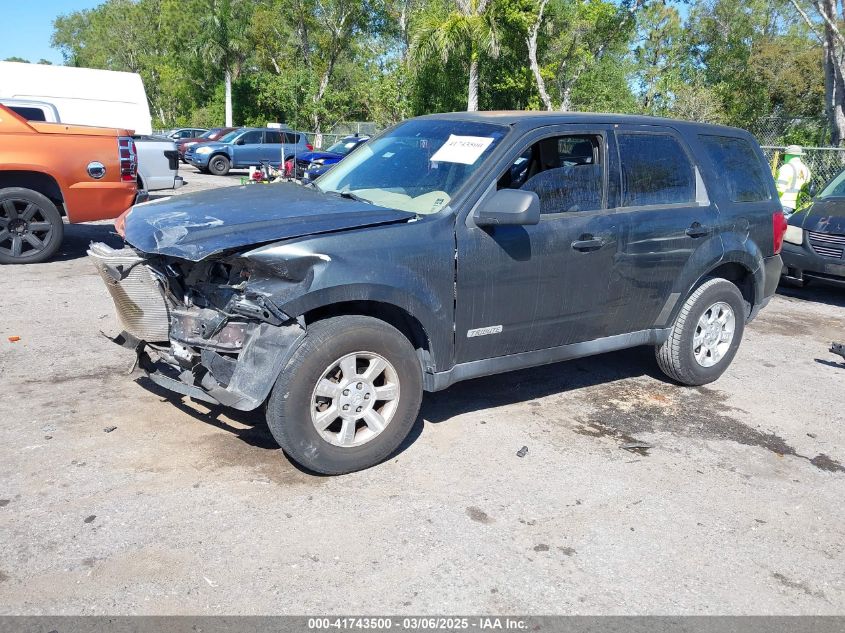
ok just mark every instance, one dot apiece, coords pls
pixel 310 147
pixel 778 230
pixel 128 159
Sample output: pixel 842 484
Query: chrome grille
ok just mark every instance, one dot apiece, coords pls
pixel 136 293
pixel 827 245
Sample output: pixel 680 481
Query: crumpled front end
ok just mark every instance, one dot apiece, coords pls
pixel 197 328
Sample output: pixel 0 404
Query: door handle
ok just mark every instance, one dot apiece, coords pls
pixel 696 230
pixel 587 243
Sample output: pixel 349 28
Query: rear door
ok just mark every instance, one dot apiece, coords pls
pixel 247 149
pixel 671 221
pixel 271 151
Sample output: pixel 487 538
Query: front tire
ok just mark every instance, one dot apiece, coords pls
pixel 31 227
pixel 705 335
pixel 348 396
pixel 219 165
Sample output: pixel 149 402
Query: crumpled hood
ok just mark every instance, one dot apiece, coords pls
pixel 823 216
pixel 195 226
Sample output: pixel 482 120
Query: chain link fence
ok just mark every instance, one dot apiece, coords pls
pixel 824 162
pixel 340 131
pixel 774 131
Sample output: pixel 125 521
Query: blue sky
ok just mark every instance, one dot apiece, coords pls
pixel 27 27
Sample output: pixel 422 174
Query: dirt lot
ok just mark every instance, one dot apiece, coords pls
pixel 738 508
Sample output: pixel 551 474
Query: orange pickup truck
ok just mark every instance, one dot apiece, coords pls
pixel 48 170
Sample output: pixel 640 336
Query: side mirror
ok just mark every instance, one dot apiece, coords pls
pixel 509 206
pixel 813 189
pixel 240 141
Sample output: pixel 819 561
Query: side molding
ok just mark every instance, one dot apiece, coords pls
pixel 501 364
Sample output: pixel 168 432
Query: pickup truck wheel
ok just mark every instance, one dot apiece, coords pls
pixel 705 335
pixel 219 165
pixel 31 227
pixel 348 397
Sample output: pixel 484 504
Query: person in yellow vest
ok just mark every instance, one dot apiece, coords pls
pixel 792 175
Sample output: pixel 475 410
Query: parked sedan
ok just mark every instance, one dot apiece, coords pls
pixel 814 244
pixel 214 134
pixel 245 147
pixel 314 164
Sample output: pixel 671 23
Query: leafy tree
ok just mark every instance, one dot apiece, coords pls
pixel 465 29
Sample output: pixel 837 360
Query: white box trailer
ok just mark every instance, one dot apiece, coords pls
pixel 89 96
pixel 83 96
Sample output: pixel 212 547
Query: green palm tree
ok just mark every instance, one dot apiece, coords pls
pixel 466 28
pixel 222 40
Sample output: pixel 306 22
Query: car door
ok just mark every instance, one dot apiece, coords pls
pixel 671 217
pixel 271 150
pixel 523 288
pixel 247 149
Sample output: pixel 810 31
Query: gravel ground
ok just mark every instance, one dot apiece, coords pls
pixel 119 498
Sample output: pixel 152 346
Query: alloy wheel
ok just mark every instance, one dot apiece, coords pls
pixel 714 334
pixel 24 228
pixel 355 399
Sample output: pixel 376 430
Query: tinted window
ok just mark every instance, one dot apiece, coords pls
pixel 30 114
pixel 251 138
pixel 273 137
pixel 655 170
pixel 291 138
pixel 739 168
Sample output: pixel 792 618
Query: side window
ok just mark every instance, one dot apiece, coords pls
pixel 655 170
pixel 566 173
pixel 274 138
pixel 30 114
pixel 291 138
pixel 252 138
pixel 744 174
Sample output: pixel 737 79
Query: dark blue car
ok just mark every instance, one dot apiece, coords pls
pixel 313 164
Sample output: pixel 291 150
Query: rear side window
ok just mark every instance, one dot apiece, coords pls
pixel 273 137
pixel 655 170
pixel 291 138
pixel 30 114
pixel 739 167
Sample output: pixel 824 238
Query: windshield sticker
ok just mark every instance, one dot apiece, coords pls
pixel 462 149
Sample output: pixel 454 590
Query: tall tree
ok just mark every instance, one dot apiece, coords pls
pixel 577 35
pixel 222 39
pixel 463 28
pixel 829 17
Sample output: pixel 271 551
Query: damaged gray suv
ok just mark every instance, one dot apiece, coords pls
pixel 450 247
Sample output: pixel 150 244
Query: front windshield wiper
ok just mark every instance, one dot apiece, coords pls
pixel 345 193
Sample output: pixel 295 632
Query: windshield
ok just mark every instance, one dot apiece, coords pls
pixel 342 147
pixel 228 138
pixel 835 188
pixel 418 166
pixel 209 134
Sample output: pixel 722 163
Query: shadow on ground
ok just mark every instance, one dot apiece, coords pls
pixel 473 395
pixel 818 292
pixel 79 236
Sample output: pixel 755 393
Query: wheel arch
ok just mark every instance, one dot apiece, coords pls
pixel 400 318
pixel 39 181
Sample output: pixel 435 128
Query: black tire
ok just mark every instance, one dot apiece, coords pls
pixel 31 227
pixel 219 165
pixel 289 408
pixel 676 357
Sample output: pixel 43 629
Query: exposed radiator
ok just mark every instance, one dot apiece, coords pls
pixel 136 292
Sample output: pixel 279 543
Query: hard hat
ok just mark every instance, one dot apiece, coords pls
pixel 794 150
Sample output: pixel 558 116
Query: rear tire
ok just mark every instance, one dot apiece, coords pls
pixel 705 335
pixel 219 165
pixel 348 397
pixel 31 227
